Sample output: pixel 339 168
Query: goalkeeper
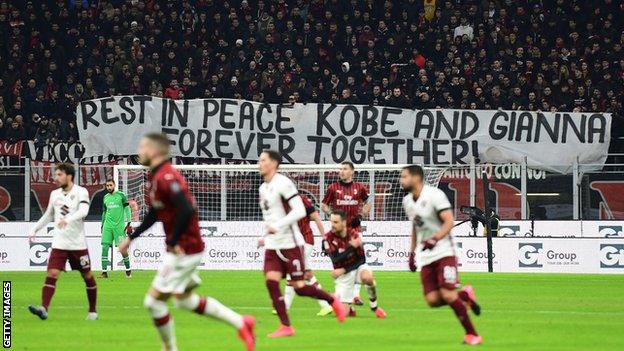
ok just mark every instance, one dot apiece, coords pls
pixel 116 213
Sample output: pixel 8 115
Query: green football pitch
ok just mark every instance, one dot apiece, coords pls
pixel 520 312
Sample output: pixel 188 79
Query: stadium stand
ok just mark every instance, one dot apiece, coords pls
pixel 532 55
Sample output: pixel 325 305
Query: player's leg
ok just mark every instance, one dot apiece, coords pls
pixel 434 299
pixel 357 300
pixel 448 282
pixel 365 275
pixel 274 270
pixel 357 287
pixel 156 301
pixel 56 263
pixel 156 304
pixel 469 298
pixel 47 291
pixel 295 266
pixel 120 235
pixel 310 279
pixel 79 261
pixel 210 307
pixel 429 281
pixel 344 289
pixel 107 243
pixel 91 288
pixel 289 293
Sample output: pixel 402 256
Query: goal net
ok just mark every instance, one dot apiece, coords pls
pixel 230 192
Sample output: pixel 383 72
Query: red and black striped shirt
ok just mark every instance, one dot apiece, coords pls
pixel 335 244
pixel 348 197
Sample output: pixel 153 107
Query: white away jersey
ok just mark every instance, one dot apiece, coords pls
pixel 274 198
pixel 423 214
pixel 65 205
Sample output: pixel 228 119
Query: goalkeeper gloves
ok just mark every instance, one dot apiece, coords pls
pixel 412 262
pixel 430 243
pixel 129 229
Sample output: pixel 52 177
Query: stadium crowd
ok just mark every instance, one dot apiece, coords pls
pixel 555 55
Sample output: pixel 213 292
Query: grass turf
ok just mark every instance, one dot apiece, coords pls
pixel 520 312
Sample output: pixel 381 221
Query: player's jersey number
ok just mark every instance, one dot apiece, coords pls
pixel 450 274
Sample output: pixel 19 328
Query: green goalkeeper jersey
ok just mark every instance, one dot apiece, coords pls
pixel 116 211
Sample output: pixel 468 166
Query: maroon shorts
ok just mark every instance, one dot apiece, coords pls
pixel 286 261
pixel 440 274
pixel 78 260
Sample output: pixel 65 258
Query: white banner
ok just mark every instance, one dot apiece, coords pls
pixel 384 252
pixel 328 133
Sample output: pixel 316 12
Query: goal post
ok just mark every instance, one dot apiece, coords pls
pixel 230 192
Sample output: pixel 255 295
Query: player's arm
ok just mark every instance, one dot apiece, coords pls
pixel 366 204
pixel 148 222
pixel 289 192
pixel 127 213
pixel 332 252
pixel 47 217
pixel 412 251
pixel 103 213
pixel 447 220
pixel 445 215
pixel 184 212
pixel 297 211
pixel 126 207
pixel 327 199
pixel 82 211
pixel 316 217
pixel 338 258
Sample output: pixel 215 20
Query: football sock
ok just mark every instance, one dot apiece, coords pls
pixel 371 290
pixel 313 291
pixel 278 301
pixel 315 283
pixel 126 261
pixel 105 261
pixel 162 320
pixel 91 293
pixel 47 291
pixel 464 296
pixel 207 306
pixel 289 296
pixel 356 289
pixel 462 315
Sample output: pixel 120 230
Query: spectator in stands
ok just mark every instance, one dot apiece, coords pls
pixel 44 135
pixel 15 133
pixel 511 54
pixel 464 29
pixel 397 99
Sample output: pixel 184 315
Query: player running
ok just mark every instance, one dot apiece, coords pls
pixel 308 249
pixel 171 202
pixel 344 247
pixel 67 208
pixel 430 212
pixel 282 208
pixel 351 197
pixel 116 213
